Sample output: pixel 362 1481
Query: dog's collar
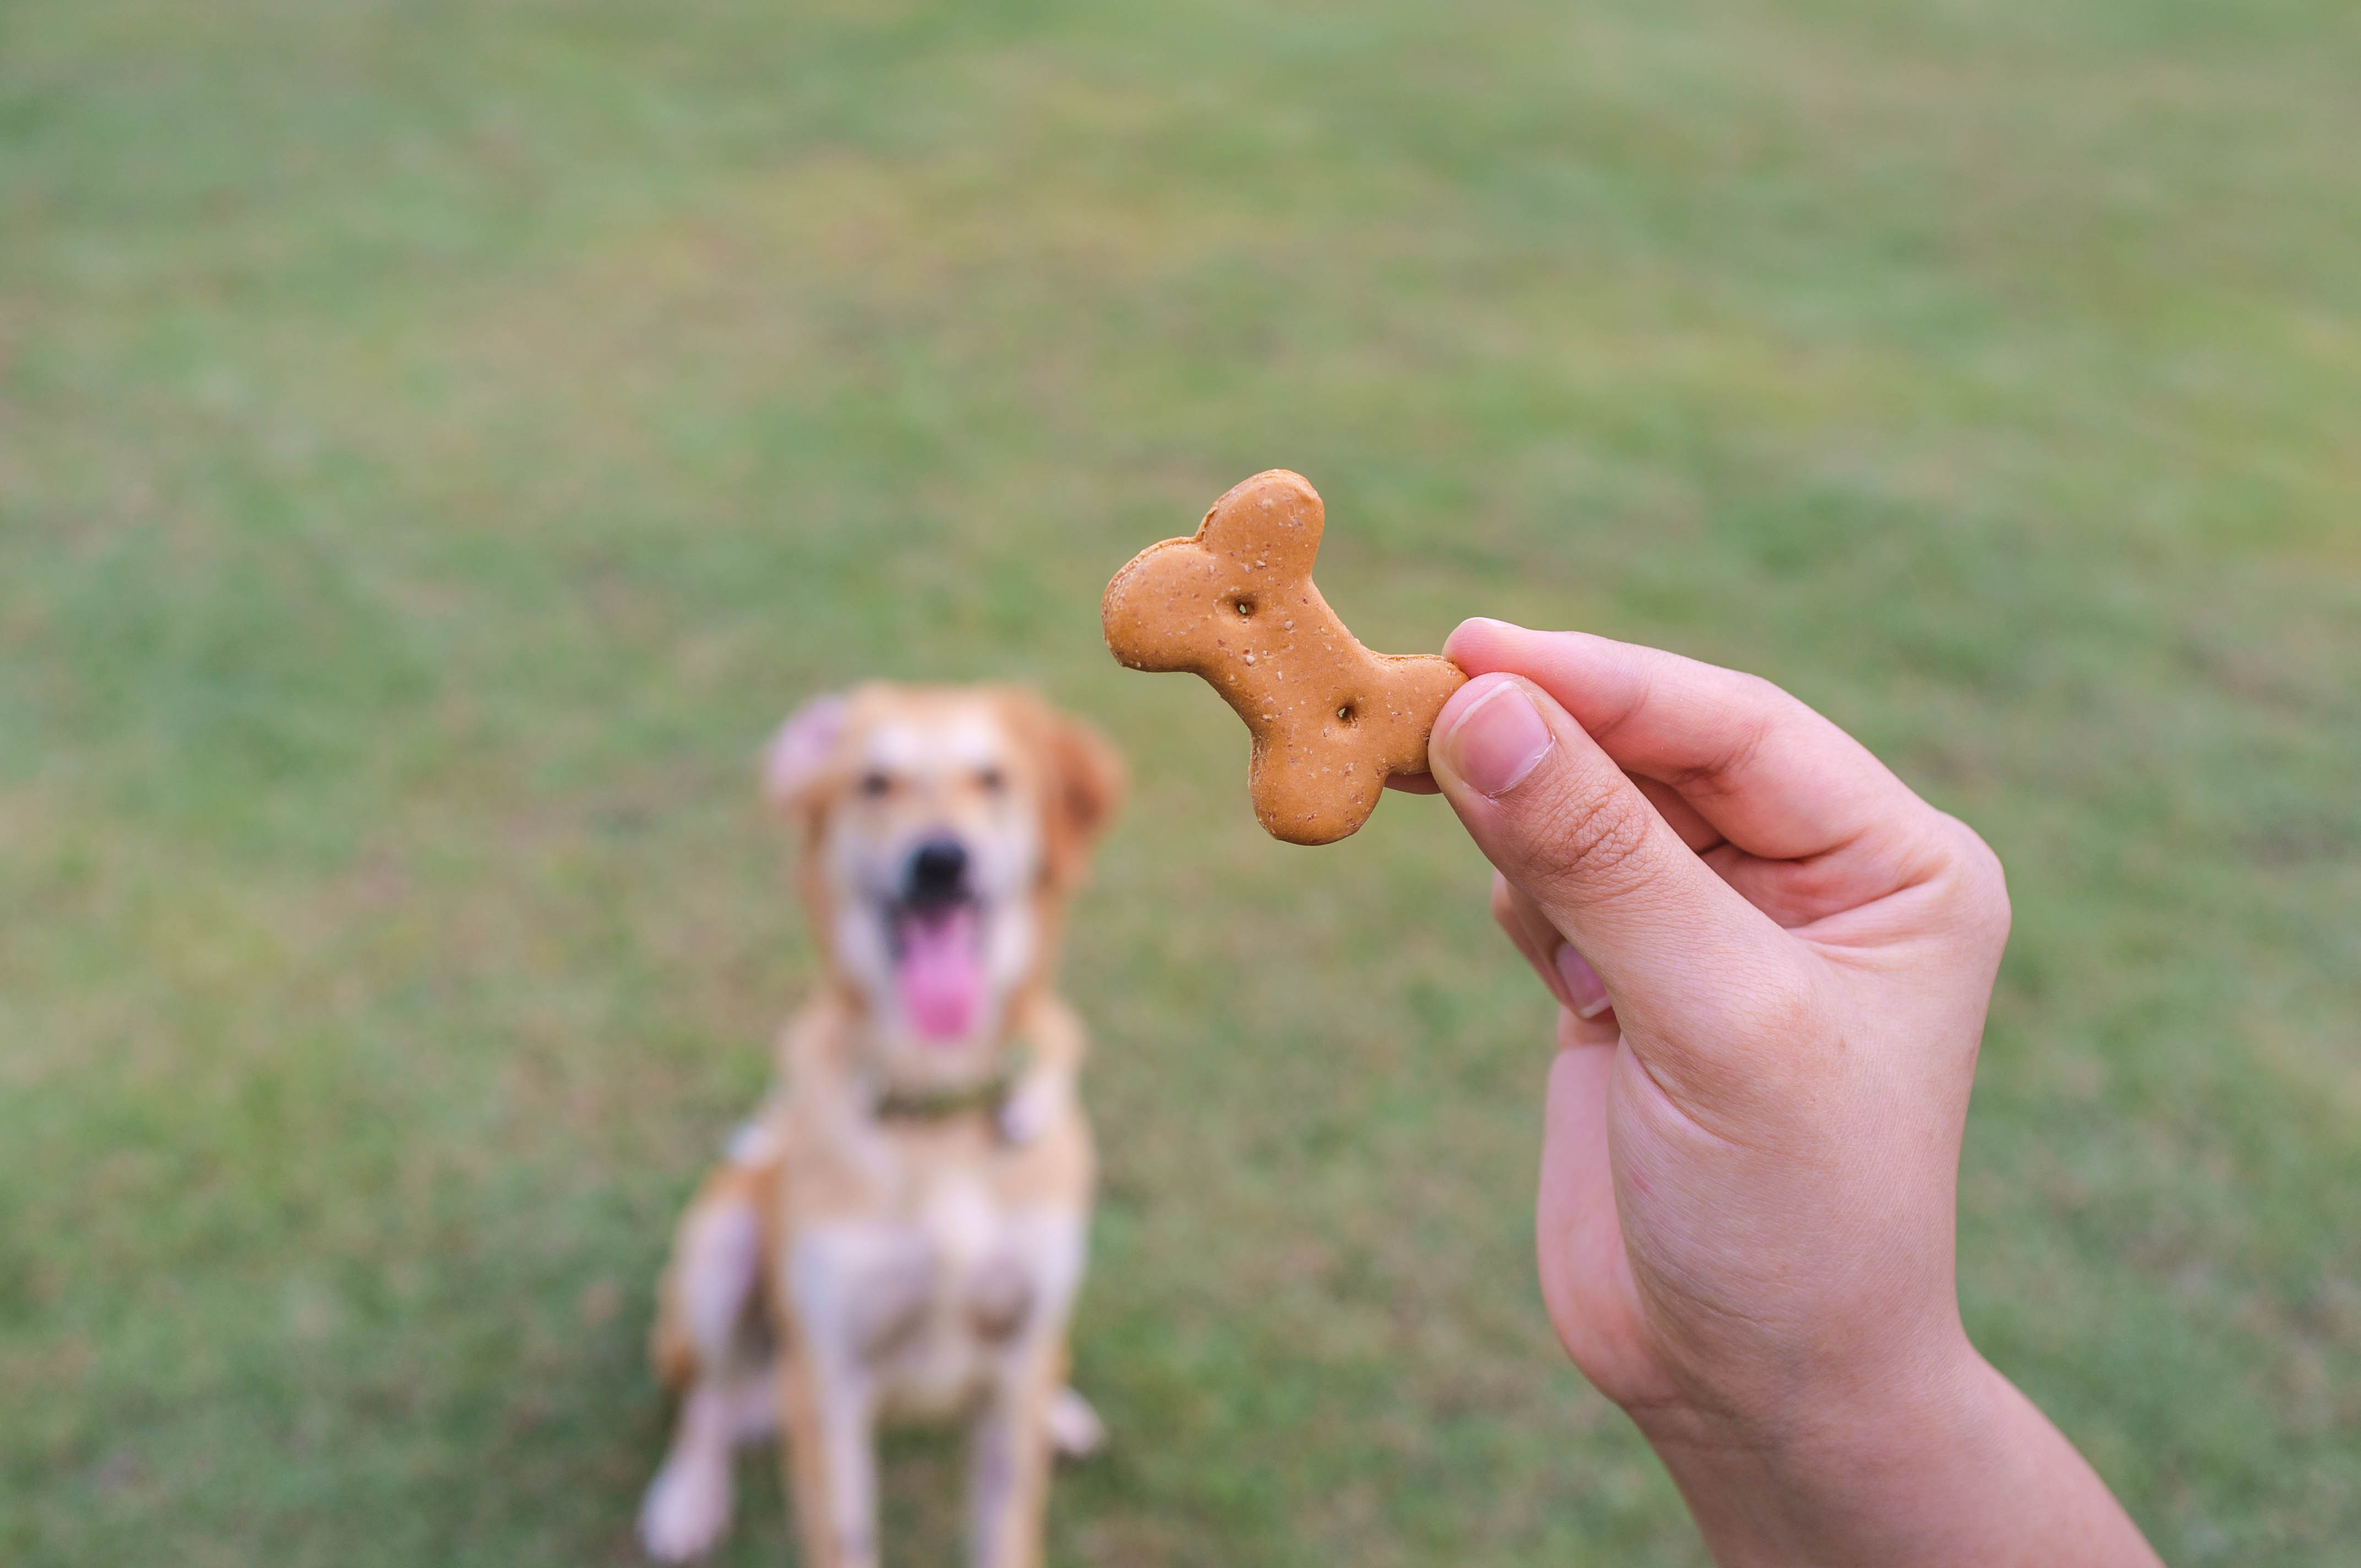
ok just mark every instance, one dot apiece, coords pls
pixel 988 1093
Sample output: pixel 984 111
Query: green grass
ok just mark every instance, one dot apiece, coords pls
pixel 437 441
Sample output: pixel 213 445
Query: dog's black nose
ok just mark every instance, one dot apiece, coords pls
pixel 938 872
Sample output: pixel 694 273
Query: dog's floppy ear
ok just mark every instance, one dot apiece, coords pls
pixel 1086 785
pixel 798 756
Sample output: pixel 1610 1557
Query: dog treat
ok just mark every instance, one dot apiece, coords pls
pixel 1236 604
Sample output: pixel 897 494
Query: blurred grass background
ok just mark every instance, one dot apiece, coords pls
pixel 438 440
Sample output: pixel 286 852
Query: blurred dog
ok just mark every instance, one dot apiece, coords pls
pixel 900 1232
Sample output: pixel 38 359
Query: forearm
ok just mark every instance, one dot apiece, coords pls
pixel 1965 1473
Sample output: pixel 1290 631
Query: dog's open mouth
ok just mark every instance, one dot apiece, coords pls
pixel 938 947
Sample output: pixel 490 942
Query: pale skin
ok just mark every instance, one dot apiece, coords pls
pixel 1772 962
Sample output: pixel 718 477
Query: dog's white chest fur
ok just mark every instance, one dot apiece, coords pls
pixel 928 1313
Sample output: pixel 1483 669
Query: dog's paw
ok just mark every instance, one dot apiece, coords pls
pixel 1075 1429
pixel 686 1511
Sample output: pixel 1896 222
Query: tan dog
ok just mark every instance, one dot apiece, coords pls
pixel 900 1232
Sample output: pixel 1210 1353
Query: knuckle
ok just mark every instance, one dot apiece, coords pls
pixel 1755 711
pixel 1974 880
pixel 1761 705
pixel 1593 833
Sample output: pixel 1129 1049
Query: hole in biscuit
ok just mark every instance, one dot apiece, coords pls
pixel 1345 713
pixel 1244 605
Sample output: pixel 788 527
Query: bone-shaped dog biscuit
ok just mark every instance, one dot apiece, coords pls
pixel 1235 605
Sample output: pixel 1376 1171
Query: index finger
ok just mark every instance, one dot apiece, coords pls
pixel 1771 776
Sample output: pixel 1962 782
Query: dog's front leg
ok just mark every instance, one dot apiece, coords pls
pixel 708 1342
pixel 1011 1442
pixel 1008 1465
pixel 831 1463
pixel 854 1296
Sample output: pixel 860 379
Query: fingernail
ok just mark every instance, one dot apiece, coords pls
pixel 1477 626
pixel 1499 740
pixel 1582 984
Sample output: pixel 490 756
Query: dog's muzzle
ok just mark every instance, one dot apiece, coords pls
pixel 935 932
pixel 937 875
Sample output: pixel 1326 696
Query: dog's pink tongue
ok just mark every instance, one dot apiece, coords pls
pixel 942 974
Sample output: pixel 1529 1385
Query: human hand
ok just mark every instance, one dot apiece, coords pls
pixel 1772 962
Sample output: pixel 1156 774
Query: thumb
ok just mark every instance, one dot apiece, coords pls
pixel 1693 970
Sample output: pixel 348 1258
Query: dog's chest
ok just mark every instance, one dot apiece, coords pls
pixel 932 1298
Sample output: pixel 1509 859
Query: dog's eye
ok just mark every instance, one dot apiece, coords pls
pixel 874 784
pixel 991 781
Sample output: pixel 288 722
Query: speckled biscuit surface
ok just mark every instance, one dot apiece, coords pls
pixel 1235 605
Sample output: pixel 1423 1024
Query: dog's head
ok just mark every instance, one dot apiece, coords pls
pixel 941 830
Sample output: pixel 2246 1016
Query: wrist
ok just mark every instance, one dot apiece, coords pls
pixel 1815 1476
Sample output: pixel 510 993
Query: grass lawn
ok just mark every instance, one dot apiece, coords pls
pixel 438 440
